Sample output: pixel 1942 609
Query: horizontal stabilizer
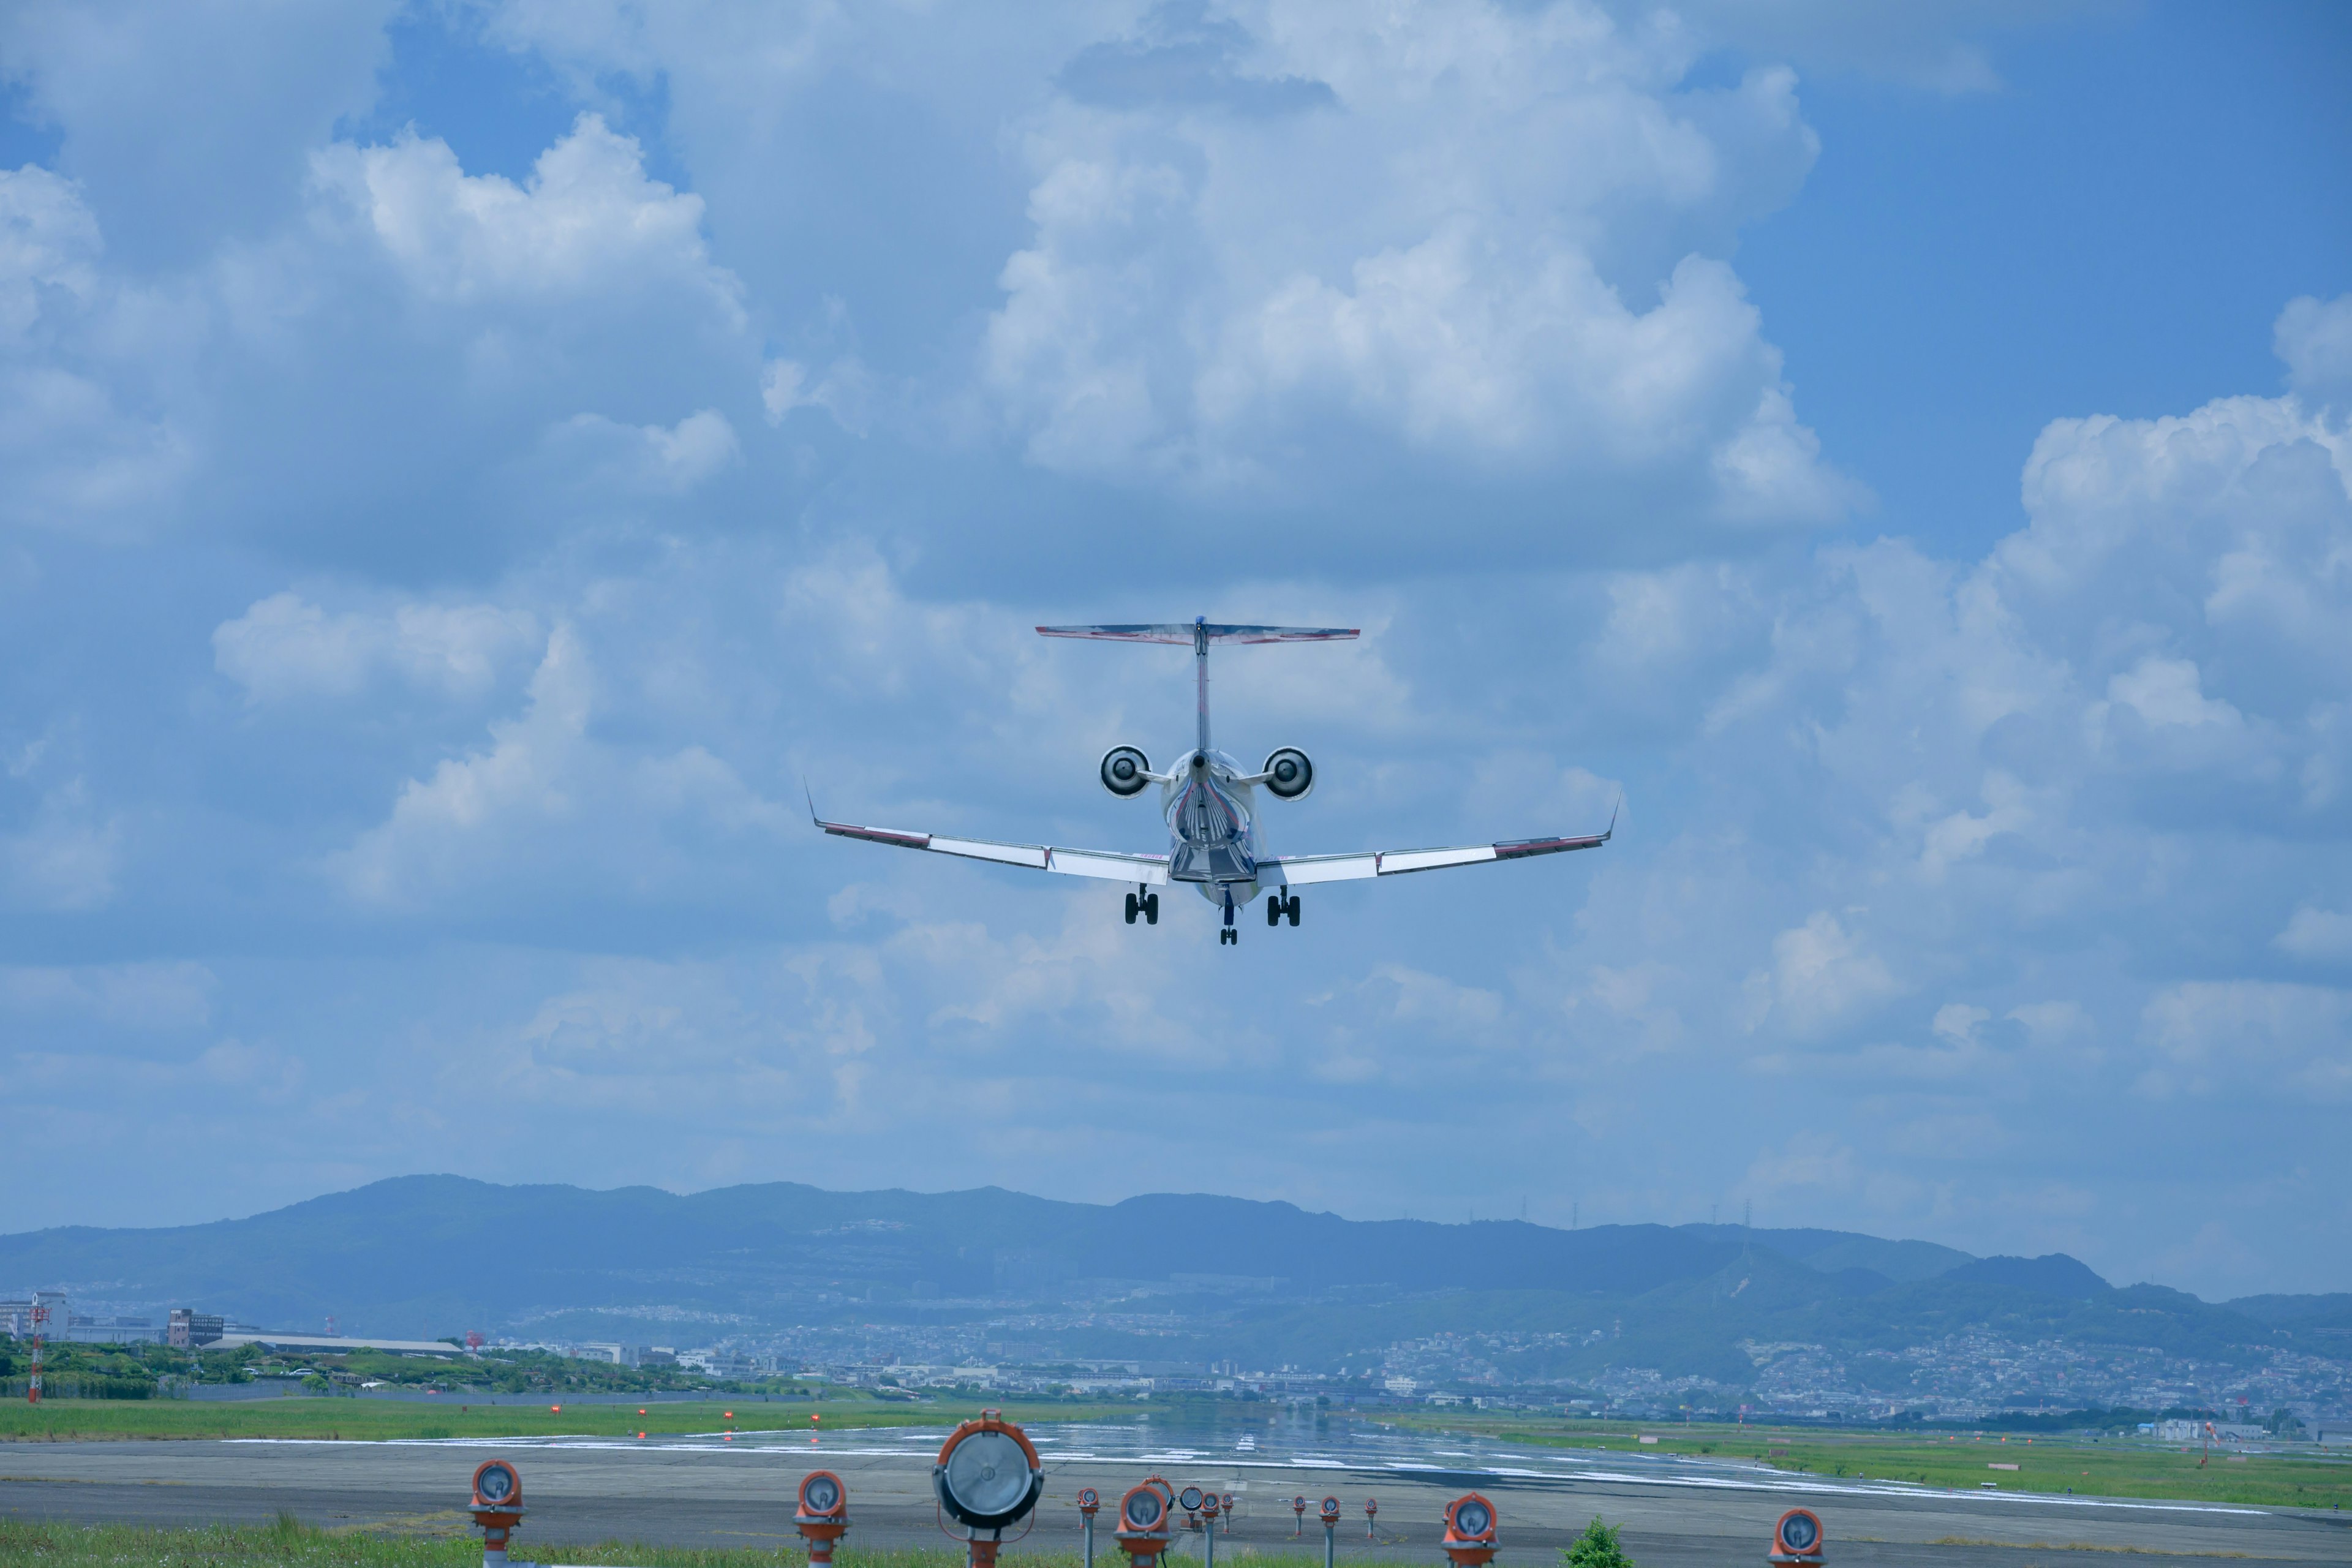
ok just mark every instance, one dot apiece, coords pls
pixel 1189 633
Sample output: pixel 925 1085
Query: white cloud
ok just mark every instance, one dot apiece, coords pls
pixel 2249 1038
pixel 1453 241
pixel 599 456
pixel 587 222
pixel 547 799
pixel 2316 935
pixel 167 994
pixel 48 240
pixel 66 857
pixel 284 646
pixel 1821 974
pixel 2315 338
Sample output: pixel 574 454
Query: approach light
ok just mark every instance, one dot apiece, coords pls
pixel 1469 1539
pixel 1089 1500
pixel 1330 1510
pixel 496 1507
pixel 821 1496
pixel 1144 1526
pixel 496 1485
pixel 1143 1508
pixel 1190 1500
pixel 988 1476
pixel 1797 1539
pixel 824 1516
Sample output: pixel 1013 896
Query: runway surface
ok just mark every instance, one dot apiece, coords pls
pixel 708 1490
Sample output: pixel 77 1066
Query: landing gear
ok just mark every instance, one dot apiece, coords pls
pixel 1144 904
pixel 1229 937
pixel 1277 906
pixel 1134 907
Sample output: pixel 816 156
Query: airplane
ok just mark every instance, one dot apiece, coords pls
pixel 1210 805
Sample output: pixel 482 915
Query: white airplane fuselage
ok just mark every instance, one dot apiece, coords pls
pixel 1213 828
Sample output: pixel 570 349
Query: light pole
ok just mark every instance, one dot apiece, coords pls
pixel 824 1517
pixel 1089 1500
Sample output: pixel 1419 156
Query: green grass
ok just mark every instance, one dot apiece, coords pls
pixel 2045 1464
pixel 290 1544
pixel 81 1420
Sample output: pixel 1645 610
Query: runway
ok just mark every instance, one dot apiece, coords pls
pixel 709 1491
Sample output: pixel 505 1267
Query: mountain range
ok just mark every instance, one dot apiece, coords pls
pixel 1163 1278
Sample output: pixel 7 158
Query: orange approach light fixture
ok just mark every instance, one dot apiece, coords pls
pixel 1469 1532
pixel 1143 1525
pixel 1089 1503
pixel 824 1516
pixel 497 1507
pixel 1299 1522
pixel 1371 1511
pixel 1797 1539
pixel 988 1476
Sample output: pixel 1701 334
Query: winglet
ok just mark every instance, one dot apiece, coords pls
pixel 812 800
pixel 1604 838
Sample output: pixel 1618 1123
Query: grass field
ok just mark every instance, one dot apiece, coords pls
pixel 2044 1464
pixel 292 1545
pixel 81 1420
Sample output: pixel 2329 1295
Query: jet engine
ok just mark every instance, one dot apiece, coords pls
pixel 1288 775
pixel 1125 772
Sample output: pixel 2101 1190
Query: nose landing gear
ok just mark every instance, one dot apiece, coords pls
pixel 1229 937
pixel 1277 906
pixel 1145 904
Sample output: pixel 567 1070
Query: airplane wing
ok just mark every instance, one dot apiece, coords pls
pixel 1300 869
pixel 1184 633
pixel 1107 865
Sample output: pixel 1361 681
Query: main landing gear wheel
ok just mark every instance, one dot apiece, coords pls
pixel 1277 906
pixel 1134 907
pixel 1144 904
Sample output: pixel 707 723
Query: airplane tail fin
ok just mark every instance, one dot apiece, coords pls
pixel 1192 634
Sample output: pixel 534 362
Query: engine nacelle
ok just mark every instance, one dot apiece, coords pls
pixel 1289 776
pixel 1125 772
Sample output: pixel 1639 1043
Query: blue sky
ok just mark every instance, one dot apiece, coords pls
pixel 468 463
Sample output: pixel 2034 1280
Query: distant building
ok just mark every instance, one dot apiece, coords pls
pixel 186 1329
pixel 89 1330
pixel 17 1318
pixel 613 1354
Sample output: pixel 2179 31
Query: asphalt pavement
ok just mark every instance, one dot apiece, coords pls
pixel 742 1495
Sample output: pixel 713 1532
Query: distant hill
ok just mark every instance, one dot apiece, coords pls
pixel 1266 1283
pixel 2053 1274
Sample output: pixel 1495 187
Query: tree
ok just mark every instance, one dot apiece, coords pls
pixel 1596 1548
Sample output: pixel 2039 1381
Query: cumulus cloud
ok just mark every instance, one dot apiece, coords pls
pixel 544 799
pixel 587 223
pixel 286 647
pixel 1487 239
pixel 1821 974
pixel 2315 338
